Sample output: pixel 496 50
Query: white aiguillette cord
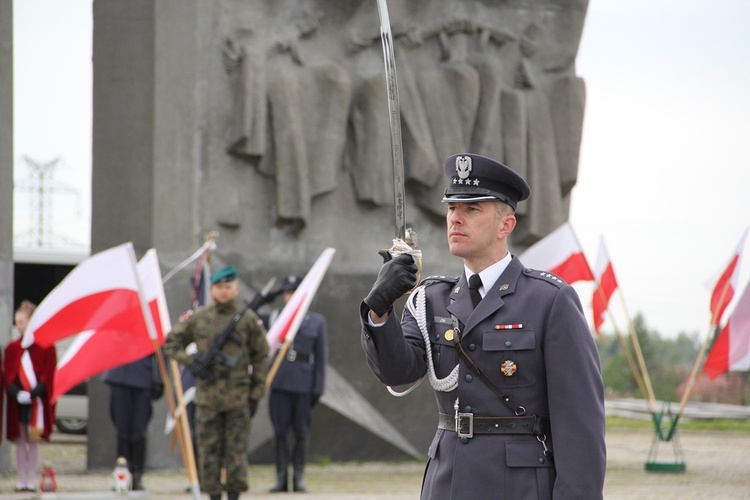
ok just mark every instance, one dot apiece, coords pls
pixel 446 384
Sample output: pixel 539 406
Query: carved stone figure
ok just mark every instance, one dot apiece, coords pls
pixel 496 79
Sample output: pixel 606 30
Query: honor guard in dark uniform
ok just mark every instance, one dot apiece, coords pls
pixel 230 365
pixel 132 389
pixel 506 348
pixel 296 388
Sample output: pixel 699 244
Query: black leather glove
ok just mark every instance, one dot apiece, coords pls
pixel 199 369
pixel 396 277
pixel 253 405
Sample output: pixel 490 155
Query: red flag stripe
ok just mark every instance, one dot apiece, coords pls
pixel 723 292
pixel 717 362
pixel 574 268
pixel 101 310
pixel 604 291
pixel 731 349
pixel 97 351
pixel 726 285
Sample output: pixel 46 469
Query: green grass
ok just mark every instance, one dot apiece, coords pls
pixel 703 424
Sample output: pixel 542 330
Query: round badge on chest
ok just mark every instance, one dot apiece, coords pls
pixel 508 368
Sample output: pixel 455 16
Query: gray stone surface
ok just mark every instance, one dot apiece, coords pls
pixel 6 190
pixel 267 121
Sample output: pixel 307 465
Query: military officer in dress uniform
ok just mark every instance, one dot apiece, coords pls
pixel 517 376
pixel 133 387
pixel 228 390
pixel 296 388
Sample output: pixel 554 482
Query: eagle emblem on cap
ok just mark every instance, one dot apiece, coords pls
pixel 463 166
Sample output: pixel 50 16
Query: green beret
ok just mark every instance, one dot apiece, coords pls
pixel 224 274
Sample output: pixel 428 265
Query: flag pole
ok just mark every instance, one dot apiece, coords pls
pixel 625 349
pixel 281 354
pixel 699 359
pixel 183 434
pixel 186 451
pixel 637 349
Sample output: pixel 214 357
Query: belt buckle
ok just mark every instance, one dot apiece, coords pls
pixel 291 355
pixel 459 418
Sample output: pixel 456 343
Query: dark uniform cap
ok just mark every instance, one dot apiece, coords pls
pixel 224 275
pixel 478 178
pixel 291 283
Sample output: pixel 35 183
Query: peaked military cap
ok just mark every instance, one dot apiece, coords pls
pixel 224 275
pixel 291 283
pixel 478 178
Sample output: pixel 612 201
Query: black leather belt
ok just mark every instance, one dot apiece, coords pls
pixel 294 356
pixel 470 424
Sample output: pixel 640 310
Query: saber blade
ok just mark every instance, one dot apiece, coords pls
pixel 394 117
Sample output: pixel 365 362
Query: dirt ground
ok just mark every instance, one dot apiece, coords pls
pixel 717 467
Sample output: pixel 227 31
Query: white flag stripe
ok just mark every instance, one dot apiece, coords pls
pixel 153 287
pixel 74 347
pixel 602 260
pixel 551 250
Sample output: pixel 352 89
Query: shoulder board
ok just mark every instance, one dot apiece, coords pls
pixel 545 276
pixel 431 280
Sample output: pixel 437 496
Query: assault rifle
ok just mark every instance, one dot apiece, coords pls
pixel 265 295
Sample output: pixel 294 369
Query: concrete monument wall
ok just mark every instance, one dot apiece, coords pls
pixel 6 195
pixel 267 121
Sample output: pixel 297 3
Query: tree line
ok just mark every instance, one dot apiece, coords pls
pixel 669 362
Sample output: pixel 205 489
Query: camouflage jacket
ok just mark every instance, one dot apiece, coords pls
pixel 243 375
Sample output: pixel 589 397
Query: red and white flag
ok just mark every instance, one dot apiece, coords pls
pixel 101 303
pixel 559 253
pixel 286 325
pixel 726 285
pixel 96 351
pixel 606 284
pixel 100 293
pixel 731 349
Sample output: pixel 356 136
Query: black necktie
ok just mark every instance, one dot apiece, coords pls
pixel 474 283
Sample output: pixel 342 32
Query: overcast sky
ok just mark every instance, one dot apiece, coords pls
pixel 664 169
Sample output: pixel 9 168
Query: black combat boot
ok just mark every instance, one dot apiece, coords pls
pixel 123 449
pixel 282 467
pixel 215 497
pixel 233 495
pixel 300 455
pixel 136 462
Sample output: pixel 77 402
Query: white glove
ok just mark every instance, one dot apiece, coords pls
pixel 23 397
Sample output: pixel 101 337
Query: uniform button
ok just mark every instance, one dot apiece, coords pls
pixel 541 460
pixel 467 409
pixel 508 343
pixel 468 377
pixel 472 347
pixel 465 440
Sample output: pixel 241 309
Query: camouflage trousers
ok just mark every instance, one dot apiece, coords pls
pixel 222 443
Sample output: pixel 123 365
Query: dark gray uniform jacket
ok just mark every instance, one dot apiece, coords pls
pixel 306 374
pixel 558 376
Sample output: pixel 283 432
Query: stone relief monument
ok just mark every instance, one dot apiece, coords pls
pixel 267 120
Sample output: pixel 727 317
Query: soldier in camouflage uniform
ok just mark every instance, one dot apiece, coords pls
pixel 227 391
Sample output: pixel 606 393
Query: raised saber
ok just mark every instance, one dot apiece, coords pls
pixel 406 239
pixel 394 120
